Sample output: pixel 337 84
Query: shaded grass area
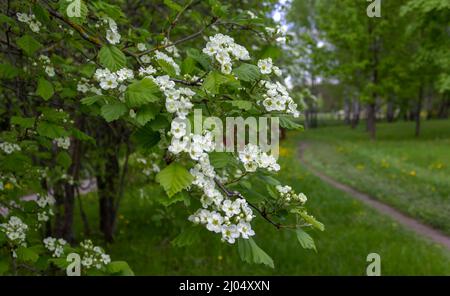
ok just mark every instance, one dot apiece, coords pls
pixel 146 229
pixel 409 173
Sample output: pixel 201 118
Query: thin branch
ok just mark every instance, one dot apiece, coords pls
pixel 184 39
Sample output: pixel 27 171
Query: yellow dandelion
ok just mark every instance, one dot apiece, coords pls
pixel 412 173
pixel 9 186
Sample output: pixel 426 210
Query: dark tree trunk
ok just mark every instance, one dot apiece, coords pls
pixel 418 110
pixel 108 185
pixel 390 111
pixel 371 120
pixel 355 113
pixel 347 111
pixel 444 107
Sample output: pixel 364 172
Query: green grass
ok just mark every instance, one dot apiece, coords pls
pixel 411 174
pixel 352 232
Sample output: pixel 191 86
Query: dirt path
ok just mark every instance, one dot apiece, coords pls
pixel 408 222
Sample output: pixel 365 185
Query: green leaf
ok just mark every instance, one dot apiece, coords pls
pixel 51 130
pixel 201 58
pixel 305 239
pixel 27 255
pixel 289 124
pixel 247 72
pixel 25 122
pixel 28 44
pixel 91 100
pixel 147 113
pixel 111 112
pixel 173 5
pixel 251 253
pixel 141 92
pixel 4 266
pixel 220 160
pixel 167 68
pixel 187 237
pixel 112 58
pixel 213 82
pixel 147 137
pixel 119 268
pixel 174 178
pixel 241 104
pixel 7 71
pixel 311 220
pixel 45 89
pixel 63 159
pixel 61 263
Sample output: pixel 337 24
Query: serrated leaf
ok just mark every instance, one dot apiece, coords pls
pixel 141 92
pixel 220 160
pixel 119 268
pixel 7 71
pixel 112 58
pixel 111 112
pixel 187 237
pixel 287 123
pixel 213 82
pixel 45 89
pixel 167 68
pixel 27 255
pixel 174 178
pixel 251 253
pixel 28 44
pixel 247 72
pixel 147 137
pixel 25 122
pixel 305 240
pixel 202 59
pixel 241 104
pixel 51 130
pixel 147 113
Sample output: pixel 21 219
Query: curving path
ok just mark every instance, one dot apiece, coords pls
pixel 408 222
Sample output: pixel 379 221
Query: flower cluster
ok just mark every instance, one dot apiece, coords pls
pixel 84 86
pixel 252 157
pixel 171 48
pixel 277 98
pixel 63 142
pixel 9 148
pixel 178 100
pixel 44 202
pixel 55 245
pixel 289 195
pixel 159 55
pixel 112 33
pixel 266 67
pixel 93 256
pixel 45 60
pixel 151 166
pixel 15 230
pixel 224 49
pixel 30 19
pixel 279 33
pixel 231 219
pixel 111 80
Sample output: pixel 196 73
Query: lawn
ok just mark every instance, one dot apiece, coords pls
pixel 146 229
pixel 409 173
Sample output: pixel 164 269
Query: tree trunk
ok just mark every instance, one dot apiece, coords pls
pixel 355 113
pixel 418 110
pixel 390 111
pixel 371 120
pixel 347 110
pixel 107 183
pixel 444 107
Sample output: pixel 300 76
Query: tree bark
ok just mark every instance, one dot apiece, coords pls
pixel 355 113
pixel 107 183
pixel 418 110
pixel 371 120
pixel 390 111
